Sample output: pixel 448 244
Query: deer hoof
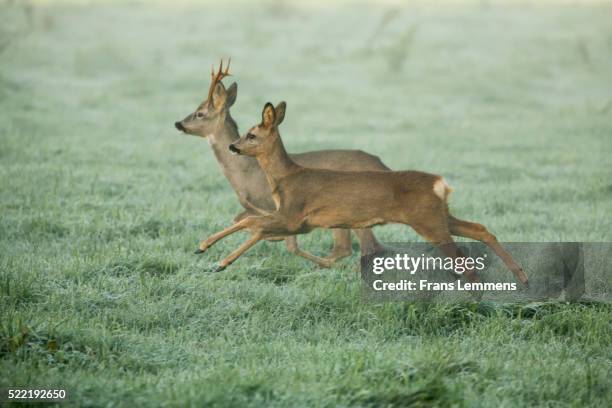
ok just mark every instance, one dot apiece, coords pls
pixel 198 251
pixel 220 268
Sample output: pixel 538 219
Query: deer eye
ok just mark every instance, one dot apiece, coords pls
pixel 250 136
pixel 199 115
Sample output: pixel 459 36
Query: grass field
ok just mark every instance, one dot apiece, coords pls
pixel 103 202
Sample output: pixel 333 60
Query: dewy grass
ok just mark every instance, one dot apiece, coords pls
pixel 103 202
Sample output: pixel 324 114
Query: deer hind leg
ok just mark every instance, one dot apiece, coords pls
pixel 480 233
pixel 440 236
pixel 342 244
pixel 368 244
pixel 292 246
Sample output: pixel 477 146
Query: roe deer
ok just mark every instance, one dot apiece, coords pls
pixel 308 198
pixel 212 120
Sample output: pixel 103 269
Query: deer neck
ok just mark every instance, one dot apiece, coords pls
pixel 237 169
pixel 276 164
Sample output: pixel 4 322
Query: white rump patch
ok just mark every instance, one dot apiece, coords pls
pixel 442 189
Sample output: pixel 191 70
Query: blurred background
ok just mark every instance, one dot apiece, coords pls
pixel 103 201
pixel 510 101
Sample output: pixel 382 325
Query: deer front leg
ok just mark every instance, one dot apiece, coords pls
pixel 208 242
pixel 236 254
pixel 242 216
pixel 261 226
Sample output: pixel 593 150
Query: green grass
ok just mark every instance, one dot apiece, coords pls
pixel 102 202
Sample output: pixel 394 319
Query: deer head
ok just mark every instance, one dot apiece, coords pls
pixel 260 138
pixel 211 113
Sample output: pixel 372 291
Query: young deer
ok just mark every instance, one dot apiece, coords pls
pixel 308 198
pixel 212 120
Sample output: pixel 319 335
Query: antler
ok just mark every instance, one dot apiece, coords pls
pixel 216 78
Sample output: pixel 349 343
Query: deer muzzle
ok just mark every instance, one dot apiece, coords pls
pixel 234 149
pixel 179 126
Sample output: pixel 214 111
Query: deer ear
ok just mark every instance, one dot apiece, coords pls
pixel 268 116
pixel 280 112
pixel 219 97
pixel 232 91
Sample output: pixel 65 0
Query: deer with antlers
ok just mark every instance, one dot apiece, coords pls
pixel 307 198
pixel 212 120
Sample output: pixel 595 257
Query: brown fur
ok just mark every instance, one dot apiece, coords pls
pixel 212 120
pixel 307 198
